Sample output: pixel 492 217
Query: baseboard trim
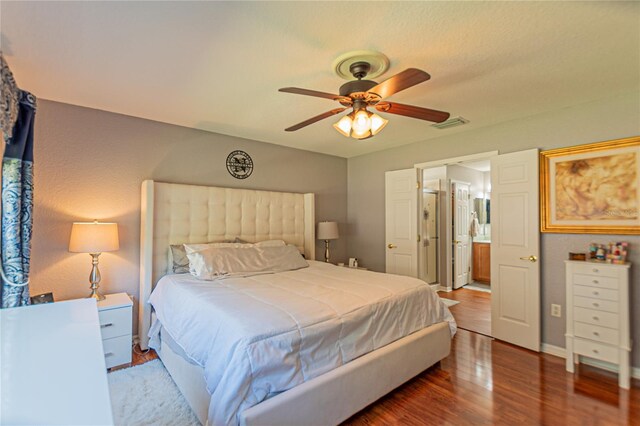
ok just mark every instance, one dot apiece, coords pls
pixel 561 353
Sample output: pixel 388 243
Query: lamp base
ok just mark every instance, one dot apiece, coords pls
pixel 95 294
pixel 94 278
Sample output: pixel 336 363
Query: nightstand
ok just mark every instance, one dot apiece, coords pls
pixel 351 267
pixel 116 317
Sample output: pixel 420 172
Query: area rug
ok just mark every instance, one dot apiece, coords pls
pixel 146 395
pixel 449 302
pixel 478 287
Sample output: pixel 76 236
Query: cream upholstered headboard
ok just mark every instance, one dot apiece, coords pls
pixel 177 213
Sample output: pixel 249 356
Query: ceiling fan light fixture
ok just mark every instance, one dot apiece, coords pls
pixel 344 125
pixel 361 122
pixel 377 123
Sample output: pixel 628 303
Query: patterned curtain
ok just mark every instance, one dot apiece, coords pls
pixel 17 191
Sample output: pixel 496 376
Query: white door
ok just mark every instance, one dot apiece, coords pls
pixel 515 249
pixel 430 236
pixel 461 249
pixel 401 222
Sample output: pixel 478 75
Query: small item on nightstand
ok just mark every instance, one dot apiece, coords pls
pixel 42 298
pixel 355 262
pixel 577 256
pixel 340 263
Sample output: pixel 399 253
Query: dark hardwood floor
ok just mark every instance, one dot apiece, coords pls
pixel 488 382
pixel 473 313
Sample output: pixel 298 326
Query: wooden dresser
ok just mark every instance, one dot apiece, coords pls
pixel 481 258
pixel 598 315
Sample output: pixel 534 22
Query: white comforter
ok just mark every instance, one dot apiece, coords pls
pixel 261 335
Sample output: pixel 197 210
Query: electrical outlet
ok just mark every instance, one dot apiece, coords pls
pixel 556 310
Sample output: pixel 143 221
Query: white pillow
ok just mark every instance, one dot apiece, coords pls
pixel 177 262
pixel 213 263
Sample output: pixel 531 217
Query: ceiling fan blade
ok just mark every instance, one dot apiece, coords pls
pixel 413 111
pixel 299 91
pixel 403 80
pixel 314 119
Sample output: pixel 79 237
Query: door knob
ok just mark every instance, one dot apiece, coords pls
pixel 392 246
pixel 531 258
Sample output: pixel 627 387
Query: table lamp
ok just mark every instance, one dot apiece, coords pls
pixel 327 231
pixel 94 238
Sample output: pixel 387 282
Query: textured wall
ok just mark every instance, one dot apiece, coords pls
pixel 90 164
pixel 612 118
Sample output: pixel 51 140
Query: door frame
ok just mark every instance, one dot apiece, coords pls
pixel 448 285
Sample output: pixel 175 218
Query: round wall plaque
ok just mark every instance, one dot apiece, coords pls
pixel 239 164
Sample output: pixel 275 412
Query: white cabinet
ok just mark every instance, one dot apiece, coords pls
pixel 116 316
pixel 598 315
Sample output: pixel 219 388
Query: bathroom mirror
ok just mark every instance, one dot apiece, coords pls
pixel 482 208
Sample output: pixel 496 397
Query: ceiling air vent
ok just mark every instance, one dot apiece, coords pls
pixel 452 122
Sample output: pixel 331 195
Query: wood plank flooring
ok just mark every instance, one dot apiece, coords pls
pixel 473 313
pixel 488 382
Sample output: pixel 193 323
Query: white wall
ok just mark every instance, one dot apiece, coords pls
pixel 611 118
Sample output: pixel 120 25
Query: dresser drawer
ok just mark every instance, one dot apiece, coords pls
pixel 594 281
pixel 595 270
pixel 115 322
pixel 595 350
pixel 591 316
pixel 597 333
pixel 597 304
pixel 595 292
pixel 117 351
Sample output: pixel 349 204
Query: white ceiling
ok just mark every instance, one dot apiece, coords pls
pixel 217 66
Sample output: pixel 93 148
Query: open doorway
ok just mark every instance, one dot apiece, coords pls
pixel 455 231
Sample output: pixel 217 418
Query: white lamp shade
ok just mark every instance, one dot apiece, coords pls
pixel 327 231
pixel 93 237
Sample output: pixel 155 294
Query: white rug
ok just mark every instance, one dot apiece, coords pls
pixel 449 302
pixel 478 287
pixel 146 395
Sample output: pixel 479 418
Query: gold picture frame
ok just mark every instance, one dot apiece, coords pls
pixel 591 189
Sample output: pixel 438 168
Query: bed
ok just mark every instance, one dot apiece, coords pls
pixel 327 389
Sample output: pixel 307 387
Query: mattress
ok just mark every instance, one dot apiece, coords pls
pixel 261 335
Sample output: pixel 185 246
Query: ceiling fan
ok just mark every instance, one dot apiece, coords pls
pixel 359 94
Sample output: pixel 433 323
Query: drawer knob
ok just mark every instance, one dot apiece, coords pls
pixel 595 293
pixel 595 281
pixel 596 319
pixel 596 304
pixel 108 354
pixel 595 270
pixel 595 351
pixel 595 333
pixel 109 324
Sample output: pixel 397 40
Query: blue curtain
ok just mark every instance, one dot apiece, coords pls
pixel 17 203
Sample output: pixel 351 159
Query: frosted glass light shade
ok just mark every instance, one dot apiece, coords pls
pixel 327 231
pixel 344 126
pixel 377 123
pixel 93 237
pixel 361 122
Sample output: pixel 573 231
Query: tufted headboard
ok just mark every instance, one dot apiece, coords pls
pixel 177 213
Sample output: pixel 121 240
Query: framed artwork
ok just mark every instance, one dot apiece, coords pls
pixel 591 189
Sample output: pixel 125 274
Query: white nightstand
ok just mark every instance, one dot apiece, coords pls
pixel 351 267
pixel 116 316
